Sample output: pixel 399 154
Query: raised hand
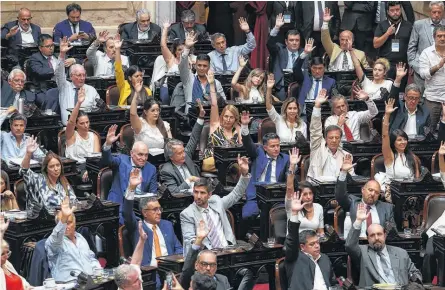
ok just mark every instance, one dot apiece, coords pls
pixel 244 25
pixel 81 95
pixel 243 163
pixel 111 135
pixel 242 61
pixel 296 204
pixel 13 31
pixel 210 76
pixel 64 45
pixel 135 178
pixel 321 98
pixel 3 225
pixel 11 110
pixel 401 71
pixel 361 212
pixel 142 234
pixel 117 41
pixel 350 45
pixel 270 81
pixel 69 62
pixel 202 112
pixel 361 94
pixel 279 22
pixel 294 156
pixel 309 47
pixel 245 118
pixel 103 36
pixel 389 108
pixel 31 145
pixel 347 163
pixel 327 15
pixel 201 231
pixel 442 148
pixel 391 30
pixel 66 210
pixel 190 39
pixel 166 24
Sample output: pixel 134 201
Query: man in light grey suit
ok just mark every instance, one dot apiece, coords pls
pixel 212 209
pixel 379 263
pixel 180 172
pixel 380 212
pixel 422 37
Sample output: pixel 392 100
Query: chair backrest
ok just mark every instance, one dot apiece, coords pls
pixel 365 131
pixel 278 223
pixel 280 275
pixel 20 193
pixel 125 243
pixel 120 27
pixel 304 166
pixel 231 221
pixel 435 162
pixel 89 67
pixel 293 90
pixel 112 95
pixel 127 136
pixel 433 208
pixel 104 181
pixel 377 165
pixel 61 141
pixel 203 139
pixel 6 179
pixel 266 126
pixel 339 220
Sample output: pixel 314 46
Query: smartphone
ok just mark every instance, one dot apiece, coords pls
pixel 169 280
pixel 81 32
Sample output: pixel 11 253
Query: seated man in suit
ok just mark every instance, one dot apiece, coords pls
pixel 269 165
pixel 326 152
pixel 350 121
pixel 283 56
pixel 13 90
pixel 180 172
pixel 20 31
pixel 311 84
pixel 378 262
pixel 340 57
pixel 211 209
pixel 68 250
pixel 204 262
pixel 186 26
pixel 103 62
pixel 380 212
pixel 74 28
pixel 123 164
pixel 224 58
pixel 306 267
pixel 142 28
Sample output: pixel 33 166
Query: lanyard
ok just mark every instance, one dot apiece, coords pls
pixel 398 27
pixel 287 4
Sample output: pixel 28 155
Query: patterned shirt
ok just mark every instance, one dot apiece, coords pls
pixel 38 191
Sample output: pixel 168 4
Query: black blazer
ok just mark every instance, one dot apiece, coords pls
pixel 130 31
pixel 300 269
pixel 39 71
pixel 177 31
pixel 305 18
pixel 360 14
pixel 276 7
pixel 12 42
pixel 8 95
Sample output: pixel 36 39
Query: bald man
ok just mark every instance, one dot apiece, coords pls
pixel 378 262
pixel 380 212
pixel 122 165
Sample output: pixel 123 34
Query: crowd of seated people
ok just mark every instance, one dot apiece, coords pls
pixel 311 53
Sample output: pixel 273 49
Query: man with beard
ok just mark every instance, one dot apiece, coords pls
pixel 142 28
pixel 103 62
pixel 378 262
pixel 186 26
pixel 391 38
pixel 74 28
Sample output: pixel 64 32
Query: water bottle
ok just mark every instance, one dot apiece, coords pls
pixel 21 103
pixel 347 226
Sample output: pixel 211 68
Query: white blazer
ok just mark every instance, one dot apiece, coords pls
pixel 11 269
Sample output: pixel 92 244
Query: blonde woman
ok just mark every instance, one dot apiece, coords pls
pixel 253 88
pixel 7 197
pixel 288 122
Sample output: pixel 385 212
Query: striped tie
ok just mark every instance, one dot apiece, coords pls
pixel 213 233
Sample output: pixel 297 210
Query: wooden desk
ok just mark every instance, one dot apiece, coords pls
pixel 231 260
pixel 101 216
pixel 439 251
pixel 268 196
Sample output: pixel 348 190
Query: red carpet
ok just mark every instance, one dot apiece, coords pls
pixel 261 287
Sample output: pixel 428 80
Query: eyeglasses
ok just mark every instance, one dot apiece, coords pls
pixel 48 46
pixel 79 75
pixel 16 81
pixel 156 209
pixel 205 264
pixel 412 98
pixel 8 253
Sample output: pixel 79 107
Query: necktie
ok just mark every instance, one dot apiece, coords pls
pixel 320 14
pixel 386 268
pixel 317 86
pixel 345 65
pixel 293 57
pixel 268 171
pixel 184 172
pixel 76 92
pixel 50 64
pixel 213 232
pixel 223 59
pixel 369 218
pixel 156 242
pixel 348 133
pixel 112 66
pixel 74 27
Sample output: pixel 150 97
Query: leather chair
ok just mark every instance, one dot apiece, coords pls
pixel 203 139
pixel 120 27
pixel 266 126
pixel 378 164
pixel 89 67
pixel 304 166
pixel 278 223
pixel 231 221
pixel 127 136
pixel 339 220
pixel 125 243
pixel 280 275
pixel 433 208
pixel 293 90
pixel 104 181
pixel 20 193
pixel 61 141
pixel 112 95
pixel 365 131
pixel 435 163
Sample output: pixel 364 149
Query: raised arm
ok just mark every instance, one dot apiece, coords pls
pixel 31 147
pixel 138 253
pixel 250 44
pixel 341 190
pixel 240 189
pixel 273 39
pixel 371 112
pixel 136 123
pixel 168 56
pixel 71 126
pixel 60 69
pixel 270 85
pixel 118 70
pixel 358 67
pixel 326 39
pixel 316 128
pixel 91 51
pixel 298 75
pixel 388 155
pixel 214 110
pixel 292 243
pixel 294 158
pixel 246 138
pixel 108 159
pixel 235 85
pixel 441 157
pixel 352 240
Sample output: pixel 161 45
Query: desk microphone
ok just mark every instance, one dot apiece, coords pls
pixel 254 240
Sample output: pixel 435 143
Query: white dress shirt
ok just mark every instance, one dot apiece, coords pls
pixel 290 63
pixel 285 133
pixel 103 65
pixel 434 84
pixel 162 244
pixel 310 95
pixel 375 220
pixel 410 126
pixel 143 34
pixel 54 62
pixel 337 65
pixel 319 283
pixel 317 19
pixel 387 277
pixel 333 163
pixel 26 35
pixel 373 89
pixel 217 222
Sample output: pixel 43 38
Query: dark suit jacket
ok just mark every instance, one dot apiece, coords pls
pixel 305 18
pixel 360 14
pixel 131 223
pixel 8 95
pixel 350 202
pixel 177 31
pixel 63 28
pixel 17 38
pixel 300 269
pixel 259 161
pixel 276 7
pixel 189 269
pixel 40 270
pixel 409 11
pixel 305 81
pixel 130 31
pixel 170 175
pixel 39 70
pixel 121 166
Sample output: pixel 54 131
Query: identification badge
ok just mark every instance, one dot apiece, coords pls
pixel 395 45
pixel 287 17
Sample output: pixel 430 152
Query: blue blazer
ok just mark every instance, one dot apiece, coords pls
pixel 305 81
pixel 17 38
pixel 259 162
pixel 121 166
pixel 131 223
pixel 63 28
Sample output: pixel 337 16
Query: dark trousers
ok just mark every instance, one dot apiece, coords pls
pixel 435 109
pixel 319 49
pixel 429 267
pixel 363 41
